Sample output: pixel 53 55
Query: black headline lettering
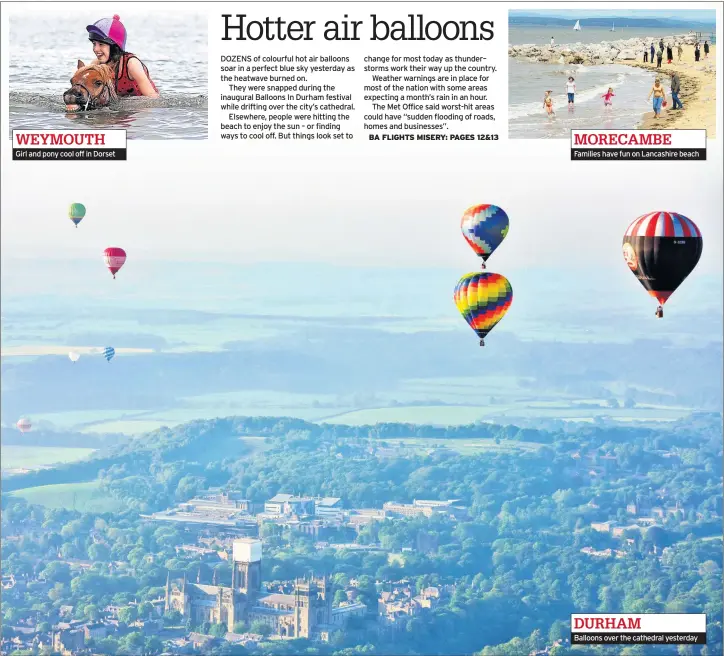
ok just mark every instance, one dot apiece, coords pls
pixel 415 28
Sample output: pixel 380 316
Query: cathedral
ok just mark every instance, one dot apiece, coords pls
pixel 306 613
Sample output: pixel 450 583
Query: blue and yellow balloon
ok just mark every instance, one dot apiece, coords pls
pixel 484 228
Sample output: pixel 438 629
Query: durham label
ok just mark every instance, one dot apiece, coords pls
pixel 637 145
pixel 65 145
pixel 650 629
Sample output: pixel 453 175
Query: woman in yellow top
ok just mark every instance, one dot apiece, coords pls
pixel 659 96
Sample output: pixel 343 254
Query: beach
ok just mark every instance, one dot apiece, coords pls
pixel 534 68
pixel 698 93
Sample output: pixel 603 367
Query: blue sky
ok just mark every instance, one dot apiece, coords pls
pixel 699 15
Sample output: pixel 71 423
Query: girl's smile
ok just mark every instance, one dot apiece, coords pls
pixel 102 51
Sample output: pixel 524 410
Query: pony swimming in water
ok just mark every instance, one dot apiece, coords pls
pixel 91 87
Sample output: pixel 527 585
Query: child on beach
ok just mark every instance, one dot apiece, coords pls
pixel 571 91
pixel 548 104
pixel 607 97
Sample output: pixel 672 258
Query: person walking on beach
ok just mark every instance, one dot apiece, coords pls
pixel 675 90
pixel 659 96
pixel 661 44
pixel 553 42
pixel 548 104
pixel 679 50
pixel 706 50
pixel 571 91
pixel 697 51
pixel 646 54
pixel 669 53
pixel 659 57
pixel 653 52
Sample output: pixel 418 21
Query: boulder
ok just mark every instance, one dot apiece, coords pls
pixel 627 55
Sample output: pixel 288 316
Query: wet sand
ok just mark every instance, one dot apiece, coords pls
pixel 698 92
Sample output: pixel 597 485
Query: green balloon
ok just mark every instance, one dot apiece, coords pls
pixel 76 212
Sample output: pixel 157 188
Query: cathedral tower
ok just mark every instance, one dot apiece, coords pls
pixel 246 571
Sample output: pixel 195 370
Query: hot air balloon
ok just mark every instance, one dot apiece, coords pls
pixel 115 258
pixel 74 357
pixel 662 249
pixel 108 353
pixel 483 299
pixel 76 212
pixel 484 228
pixel 24 425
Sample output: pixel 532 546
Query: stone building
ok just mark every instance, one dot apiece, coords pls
pixel 305 613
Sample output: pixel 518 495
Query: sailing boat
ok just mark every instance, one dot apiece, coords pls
pixel 577 26
pixel 613 27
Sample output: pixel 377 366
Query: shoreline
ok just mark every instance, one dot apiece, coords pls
pixel 698 79
pixel 698 94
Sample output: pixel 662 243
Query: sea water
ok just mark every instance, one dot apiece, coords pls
pixel 44 51
pixel 528 82
pixel 541 34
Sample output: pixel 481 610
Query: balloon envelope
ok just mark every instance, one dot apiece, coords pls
pixel 483 299
pixel 109 352
pixel 74 357
pixel 662 249
pixel 484 228
pixel 114 258
pixel 24 425
pixel 76 212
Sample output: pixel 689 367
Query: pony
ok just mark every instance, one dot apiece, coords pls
pixel 92 87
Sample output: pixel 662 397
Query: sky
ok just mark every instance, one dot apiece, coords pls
pixel 395 211
pixel 700 15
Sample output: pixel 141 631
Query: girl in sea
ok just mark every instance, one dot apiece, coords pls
pixel 571 91
pixel 607 102
pixel 108 36
pixel 548 104
pixel 659 96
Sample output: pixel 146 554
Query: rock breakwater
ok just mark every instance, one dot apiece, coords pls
pixel 593 54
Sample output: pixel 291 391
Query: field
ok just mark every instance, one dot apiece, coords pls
pixel 471 446
pixel 34 457
pixel 439 401
pixel 84 497
pixel 444 415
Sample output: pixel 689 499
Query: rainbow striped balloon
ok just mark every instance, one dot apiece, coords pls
pixel 483 299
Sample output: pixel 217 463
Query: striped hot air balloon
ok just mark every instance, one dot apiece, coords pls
pixel 24 425
pixel 483 299
pixel 115 258
pixel 662 249
pixel 76 212
pixel 484 228
pixel 109 352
